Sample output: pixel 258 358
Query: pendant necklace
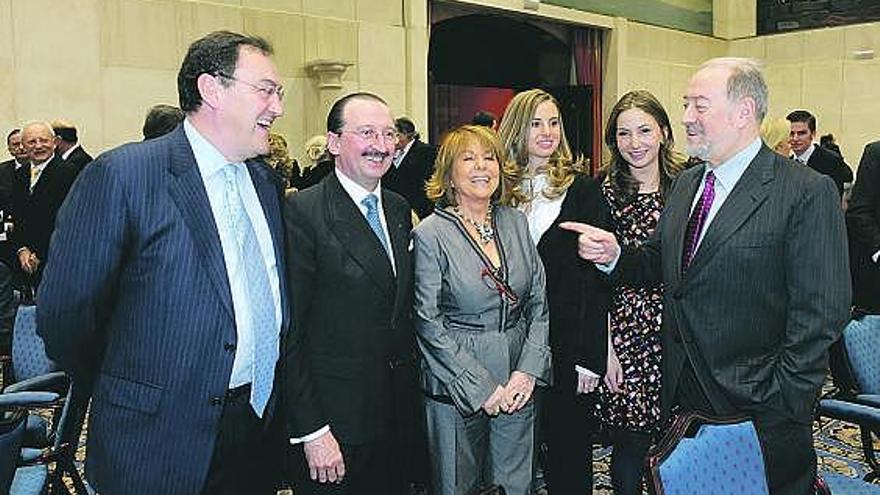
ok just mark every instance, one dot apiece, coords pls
pixel 485 231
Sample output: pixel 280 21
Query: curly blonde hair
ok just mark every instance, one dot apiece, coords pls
pixel 439 187
pixel 562 166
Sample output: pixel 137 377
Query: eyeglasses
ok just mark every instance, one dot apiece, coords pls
pixel 267 90
pixel 492 281
pixel 389 135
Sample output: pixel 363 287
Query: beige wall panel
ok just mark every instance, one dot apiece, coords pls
pixel 140 33
pixel 126 95
pixel 648 42
pixel 824 44
pixel 195 19
pixel 231 3
pixel 652 76
pixel 785 48
pixel 288 6
pixel 393 94
pixel 382 54
pixel 340 9
pixel 41 40
pixel 8 115
pixel 388 12
pixel 751 47
pixel 823 87
pixel 7 36
pixel 860 81
pixel 330 38
pixel 861 37
pixel 691 49
pixel 415 13
pixel 286 33
pixel 419 113
pixel 785 84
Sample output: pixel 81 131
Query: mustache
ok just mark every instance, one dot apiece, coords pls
pixel 694 127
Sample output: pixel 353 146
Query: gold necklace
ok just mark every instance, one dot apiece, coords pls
pixel 484 229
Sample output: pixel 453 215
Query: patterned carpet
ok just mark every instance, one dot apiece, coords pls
pixel 837 444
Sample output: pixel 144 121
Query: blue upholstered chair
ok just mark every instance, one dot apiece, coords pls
pixel 862 346
pixel 709 456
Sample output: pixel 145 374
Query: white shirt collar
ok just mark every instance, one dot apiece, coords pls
pixel 729 172
pixel 805 157
pixel 69 151
pixel 356 191
pixel 399 156
pixel 208 157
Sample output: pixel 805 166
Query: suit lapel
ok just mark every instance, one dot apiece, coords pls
pixel 399 226
pixel 355 236
pixel 268 187
pixel 188 192
pixel 749 193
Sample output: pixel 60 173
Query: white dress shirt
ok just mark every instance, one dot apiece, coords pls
pixel 211 164
pixel 357 194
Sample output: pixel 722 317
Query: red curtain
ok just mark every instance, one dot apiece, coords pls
pixel 587 54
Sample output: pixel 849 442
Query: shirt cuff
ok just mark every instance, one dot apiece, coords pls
pixel 876 256
pixel 583 371
pixel 607 268
pixel 310 436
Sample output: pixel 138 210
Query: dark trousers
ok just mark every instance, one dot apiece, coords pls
pixel 368 471
pixel 628 461
pixel 247 454
pixel 787 445
pixel 570 428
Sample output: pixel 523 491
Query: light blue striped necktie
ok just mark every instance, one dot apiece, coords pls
pixel 263 324
pixel 372 202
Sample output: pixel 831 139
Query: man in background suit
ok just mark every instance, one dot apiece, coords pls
pixel 412 166
pixel 50 180
pixel 752 254
pixel 166 293
pixel 863 226
pixel 8 259
pixel 350 275
pixel 67 145
pixel 818 158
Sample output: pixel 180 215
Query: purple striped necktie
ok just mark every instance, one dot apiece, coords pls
pixel 697 221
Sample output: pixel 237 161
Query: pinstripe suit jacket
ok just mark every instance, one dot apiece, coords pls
pixel 137 302
pixel 766 294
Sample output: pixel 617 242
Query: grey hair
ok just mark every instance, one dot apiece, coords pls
pixel 746 80
pixel 35 123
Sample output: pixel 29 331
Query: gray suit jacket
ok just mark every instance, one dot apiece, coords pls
pixel 766 294
pixel 471 337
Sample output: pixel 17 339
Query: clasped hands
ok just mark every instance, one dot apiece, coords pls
pixel 28 260
pixel 512 396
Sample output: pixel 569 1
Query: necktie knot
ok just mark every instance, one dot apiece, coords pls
pixel 371 202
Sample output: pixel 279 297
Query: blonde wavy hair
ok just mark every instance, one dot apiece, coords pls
pixel 562 166
pixel 439 187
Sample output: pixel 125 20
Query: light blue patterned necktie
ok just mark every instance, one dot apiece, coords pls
pixel 371 202
pixel 264 326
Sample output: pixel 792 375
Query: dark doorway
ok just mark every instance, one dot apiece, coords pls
pixel 478 62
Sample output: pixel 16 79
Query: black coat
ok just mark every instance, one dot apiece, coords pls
pixel 863 227
pixel 408 179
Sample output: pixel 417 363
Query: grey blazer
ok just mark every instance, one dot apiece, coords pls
pixel 471 333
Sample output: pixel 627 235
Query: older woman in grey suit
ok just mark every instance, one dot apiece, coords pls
pixel 481 317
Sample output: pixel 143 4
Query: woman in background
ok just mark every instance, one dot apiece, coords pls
pixel 642 167
pixel 558 189
pixel 481 319
pixel 775 132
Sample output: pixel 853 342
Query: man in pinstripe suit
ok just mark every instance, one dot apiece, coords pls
pixel 163 248
pixel 752 253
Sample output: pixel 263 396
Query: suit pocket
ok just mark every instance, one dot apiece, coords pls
pixel 128 394
pixel 453 324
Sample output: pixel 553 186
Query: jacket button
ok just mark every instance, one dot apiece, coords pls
pixel 229 347
pixel 217 401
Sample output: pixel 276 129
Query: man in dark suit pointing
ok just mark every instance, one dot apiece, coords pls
pixel 166 292
pixel 752 254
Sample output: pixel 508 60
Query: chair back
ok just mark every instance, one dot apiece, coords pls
pixel 723 456
pixel 862 342
pixel 29 357
pixel 12 426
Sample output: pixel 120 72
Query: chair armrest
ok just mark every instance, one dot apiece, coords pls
pixel 871 400
pixel 852 412
pixel 28 399
pixel 56 381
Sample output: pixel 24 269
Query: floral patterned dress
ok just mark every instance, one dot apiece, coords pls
pixel 634 324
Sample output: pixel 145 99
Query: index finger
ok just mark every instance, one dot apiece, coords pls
pixel 580 228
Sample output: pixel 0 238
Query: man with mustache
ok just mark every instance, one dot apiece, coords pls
pixel 168 299
pixel 752 254
pixel 350 275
